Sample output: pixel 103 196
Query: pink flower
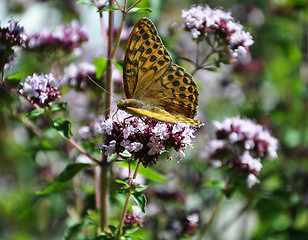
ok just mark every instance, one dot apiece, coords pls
pixel 231 41
pixel 77 75
pixel 41 89
pixel 241 144
pixel 145 139
pixel 10 37
pixel 135 218
pixel 66 38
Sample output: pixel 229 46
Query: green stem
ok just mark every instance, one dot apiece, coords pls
pixel 134 5
pixel 207 226
pixel 105 166
pixel 118 37
pixel 40 134
pixel 2 75
pixel 126 204
pixel 104 195
pixel 102 192
pixel 201 65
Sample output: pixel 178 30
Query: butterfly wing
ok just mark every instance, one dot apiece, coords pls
pixel 145 58
pixel 163 116
pixel 175 91
pixel 150 76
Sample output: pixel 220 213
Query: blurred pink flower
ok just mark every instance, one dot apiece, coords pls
pixel 241 144
pixel 66 38
pixel 231 41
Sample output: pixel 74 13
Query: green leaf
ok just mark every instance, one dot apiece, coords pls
pixel 16 76
pixel 136 9
pixel 119 65
pixel 101 65
pixel 141 188
pixel 68 173
pixel 148 173
pixel 124 186
pixel 140 200
pixel 214 184
pixel 63 126
pixel 123 189
pixel 72 231
pixel 109 8
pixel 125 154
pixel 36 112
pixel 58 106
pixel 211 69
pixel 151 174
pixel 121 182
pixel 85 3
pixel 229 192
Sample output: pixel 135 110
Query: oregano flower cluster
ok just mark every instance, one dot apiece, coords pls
pixel 10 37
pixel 144 138
pixel 66 38
pixel 41 89
pixel 204 23
pixel 242 145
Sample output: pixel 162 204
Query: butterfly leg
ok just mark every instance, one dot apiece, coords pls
pixel 123 124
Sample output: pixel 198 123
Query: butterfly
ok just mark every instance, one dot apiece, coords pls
pixel 154 86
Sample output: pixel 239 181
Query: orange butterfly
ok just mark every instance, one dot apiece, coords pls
pixel 154 86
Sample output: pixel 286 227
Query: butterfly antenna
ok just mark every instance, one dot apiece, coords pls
pixel 102 88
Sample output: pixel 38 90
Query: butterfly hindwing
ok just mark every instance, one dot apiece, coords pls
pixel 175 92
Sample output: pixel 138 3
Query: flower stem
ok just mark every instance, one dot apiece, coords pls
pixel 207 226
pixel 126 204
pixel 118 37
pixel 2 75
pixel 40 133
pixel 104 185
pixel 202 64
pixel 104 189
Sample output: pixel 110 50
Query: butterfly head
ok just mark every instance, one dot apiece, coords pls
pixel 121 104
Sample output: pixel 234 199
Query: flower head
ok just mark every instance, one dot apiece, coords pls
pixel 190 224
pixel 66 38
pixel 231 41
pixel 77 75
pixel 145 139
pixel 41 89
pixel 241 144
pixel 92 130
pixel 10 37
pixel 135 218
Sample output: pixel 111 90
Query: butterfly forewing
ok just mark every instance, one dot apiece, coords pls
pixel 146 58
